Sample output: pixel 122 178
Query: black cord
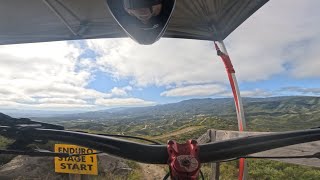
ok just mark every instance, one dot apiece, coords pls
pixel 167 176
pixel 125 136
pixel 202 176
pixel 42 153
pixel 131 137
pixel 316 155
pixel 5 131
pixel 33 153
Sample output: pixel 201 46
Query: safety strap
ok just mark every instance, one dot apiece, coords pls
pixel 230 70
pixel 225 58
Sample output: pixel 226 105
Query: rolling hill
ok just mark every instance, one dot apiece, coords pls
pixel 262 114
pixel 191 118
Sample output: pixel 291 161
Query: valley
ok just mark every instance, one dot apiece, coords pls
pixel 191 118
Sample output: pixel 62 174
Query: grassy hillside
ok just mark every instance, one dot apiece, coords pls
pixel 189 119
pixel 262 114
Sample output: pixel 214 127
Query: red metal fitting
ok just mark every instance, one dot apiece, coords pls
pixel 183 160
pixel 225 58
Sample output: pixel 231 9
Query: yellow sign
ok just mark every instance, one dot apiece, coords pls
pixel 75 164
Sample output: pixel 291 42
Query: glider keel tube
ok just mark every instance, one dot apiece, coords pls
pixel 157 154
pixel 153 154
pixel 222 52
pixel 238 147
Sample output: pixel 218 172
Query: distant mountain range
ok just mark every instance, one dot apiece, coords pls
pixel 189 119
pixel 18 113
pixel 195 116
pixel 271 107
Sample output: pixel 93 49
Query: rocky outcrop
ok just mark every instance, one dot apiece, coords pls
pixel 25 167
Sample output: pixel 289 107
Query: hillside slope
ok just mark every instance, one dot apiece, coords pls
pixel 262 114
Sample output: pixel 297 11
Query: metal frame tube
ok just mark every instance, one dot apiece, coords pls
pixel 59 15
pixel 157 154
pixel 243 171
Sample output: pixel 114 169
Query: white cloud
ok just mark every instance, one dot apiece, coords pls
pixel 47 106
pixel 223 92
pixel 169 61
pixel 123 102
pixel 61 101
pixel 307 62
pixel 119 92
pixel 60 106
pixel 48 76
pixel 301 90
pixel 256 93
pixel 195 90
pixel 259 48
pixel 42 62
pixel 37 75
pixel 276 39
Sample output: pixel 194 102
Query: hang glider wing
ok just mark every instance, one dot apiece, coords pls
pixel 54 20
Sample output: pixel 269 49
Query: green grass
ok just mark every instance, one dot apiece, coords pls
pixel 5 158
pixel 258 169
pixel 272 114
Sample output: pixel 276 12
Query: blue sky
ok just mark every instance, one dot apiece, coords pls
pixel 275 52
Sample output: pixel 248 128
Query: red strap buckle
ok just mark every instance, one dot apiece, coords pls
pixel 183 160
pixel 225 58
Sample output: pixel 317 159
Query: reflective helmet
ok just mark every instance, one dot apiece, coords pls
pixel 145 21
pixel 143 9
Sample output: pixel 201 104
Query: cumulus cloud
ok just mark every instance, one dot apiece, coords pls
pixel 267 44
pixel 301 90
pixel 195 90
pixel 257 93
pixel 42 62
pixel 61 101
pixel 167 62
pixel 215 90
pixel 123 102
pixel 274 41
pixel 119 91
pixel 45 105
pixel 48 76
pixel 278 40
pixel 249 93
pixel 42 75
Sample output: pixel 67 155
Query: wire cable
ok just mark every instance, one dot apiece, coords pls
pixel 201 174
pixel 166 176
pixel 40 153
pixel 316 155
pixel 125 136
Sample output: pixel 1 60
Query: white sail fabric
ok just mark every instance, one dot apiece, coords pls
pixel 25 21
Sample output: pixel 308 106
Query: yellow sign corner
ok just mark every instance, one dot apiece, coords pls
pixel 87 164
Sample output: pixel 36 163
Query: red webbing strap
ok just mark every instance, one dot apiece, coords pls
pixel 226 59
pixel 230 70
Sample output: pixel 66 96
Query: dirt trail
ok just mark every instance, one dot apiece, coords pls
pixel 152 171
pixel 181 131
